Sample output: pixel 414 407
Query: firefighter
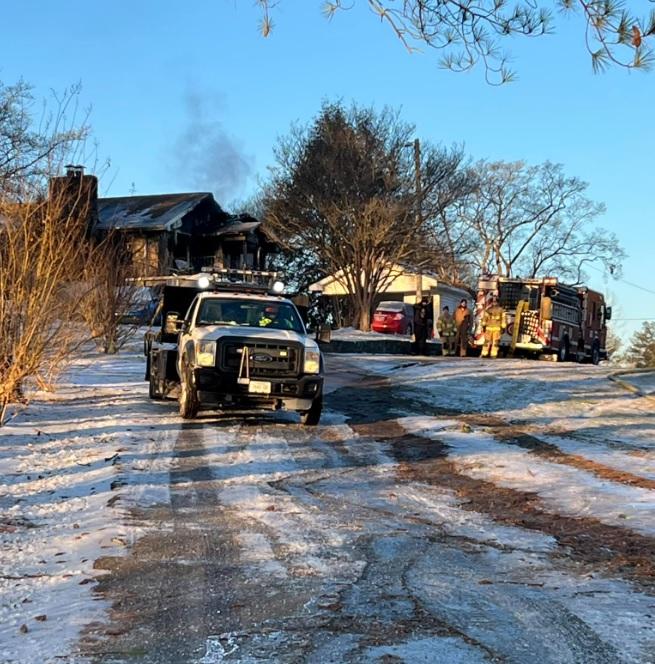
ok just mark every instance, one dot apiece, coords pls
pixel 463 325
pixel 446 328
pixel 275 317
pixel 267 316
pixel 493 324
pixel 421 325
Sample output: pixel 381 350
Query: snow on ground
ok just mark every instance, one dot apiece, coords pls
pixel 482 385
pixel 74 463
pixel 639 463
pixel 71 466
pixel 563 489
pixel 575 400
pixel 574 407
pixel 353 334
pixel 306 534
pixel 500 588
pixel 643 380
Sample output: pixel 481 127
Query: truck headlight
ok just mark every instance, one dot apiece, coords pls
pixel 206 353
pixel 312 361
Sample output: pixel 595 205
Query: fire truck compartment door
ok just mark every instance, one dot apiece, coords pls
pixel 546 308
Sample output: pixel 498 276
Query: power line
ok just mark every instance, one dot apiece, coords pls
pixel 642 288
pixel 625 281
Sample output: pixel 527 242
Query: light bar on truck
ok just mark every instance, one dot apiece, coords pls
pixel 255 281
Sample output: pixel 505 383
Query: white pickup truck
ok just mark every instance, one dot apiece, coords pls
pixel 236 348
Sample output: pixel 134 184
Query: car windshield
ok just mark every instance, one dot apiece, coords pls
pixel 249 313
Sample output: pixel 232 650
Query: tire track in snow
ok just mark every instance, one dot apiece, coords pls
pixel 539 439
pixel 524 437
pixel 612 548
pixel 372 406
pixel 384 589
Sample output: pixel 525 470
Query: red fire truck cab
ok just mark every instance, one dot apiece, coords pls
pixel 544 316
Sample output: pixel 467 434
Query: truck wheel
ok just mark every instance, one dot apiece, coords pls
pixel 313 415
pixel 563 353
pixel 153 391
pixel 580 355
pixel 595 355
pixel 188 395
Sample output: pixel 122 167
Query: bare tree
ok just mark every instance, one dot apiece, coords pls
pixel 530 221
pixel 41 286
pixel 112 296
pixel 42 241
pixel 468 32
pixel 343 194
pixel 448 246
pixel 33 140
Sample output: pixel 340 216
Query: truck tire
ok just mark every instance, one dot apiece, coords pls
pixel 580 355
pixel 595 354
pixel 188 395
pixel 153 389
pixel 312 416
pixel 563 352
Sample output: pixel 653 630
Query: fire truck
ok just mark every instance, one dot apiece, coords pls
pixel 546 317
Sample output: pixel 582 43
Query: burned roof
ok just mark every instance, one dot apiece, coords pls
pixel 239 224
pixel 162 212
pixel 245 223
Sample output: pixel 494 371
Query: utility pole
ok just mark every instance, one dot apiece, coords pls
pixel 419 218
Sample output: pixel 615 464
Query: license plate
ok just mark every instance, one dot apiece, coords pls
pixel 259 387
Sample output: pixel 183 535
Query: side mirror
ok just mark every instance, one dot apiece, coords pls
pixel 173 323
pixel 608 313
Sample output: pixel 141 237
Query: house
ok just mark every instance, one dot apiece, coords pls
pixel 183 231
pixel 401 284
pixel 169 232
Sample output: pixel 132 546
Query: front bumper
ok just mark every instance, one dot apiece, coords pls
pixel 222 390
pixel 536 347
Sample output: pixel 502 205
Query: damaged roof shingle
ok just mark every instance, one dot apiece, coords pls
pixel 155 213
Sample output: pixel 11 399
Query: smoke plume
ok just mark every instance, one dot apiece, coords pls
pixel 205 156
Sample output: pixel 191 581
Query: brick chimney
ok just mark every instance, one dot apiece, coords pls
pixel 76 194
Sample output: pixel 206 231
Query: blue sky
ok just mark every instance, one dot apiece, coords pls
pixel 172 84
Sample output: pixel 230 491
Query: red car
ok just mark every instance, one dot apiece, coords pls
pixel 393 318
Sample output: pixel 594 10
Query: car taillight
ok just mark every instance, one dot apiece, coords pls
pixel 398 317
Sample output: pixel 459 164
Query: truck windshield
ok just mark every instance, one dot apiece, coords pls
pixel 249 313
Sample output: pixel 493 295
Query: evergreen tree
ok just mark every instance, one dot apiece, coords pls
pixel 471 32
pixel 344 199
pixel 642 346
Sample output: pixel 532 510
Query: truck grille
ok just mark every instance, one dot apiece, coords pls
pixel 266 359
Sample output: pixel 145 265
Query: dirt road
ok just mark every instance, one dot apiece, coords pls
pixel 377 537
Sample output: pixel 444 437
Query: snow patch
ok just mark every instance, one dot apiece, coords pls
pixel 563 489
pixel 71 466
